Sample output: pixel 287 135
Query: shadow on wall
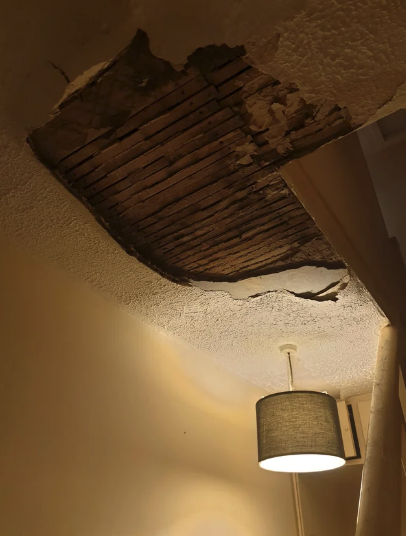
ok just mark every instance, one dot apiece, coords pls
pixel 109 427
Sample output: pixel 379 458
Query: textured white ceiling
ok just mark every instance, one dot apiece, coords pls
pixel 337 340
pixel 316 43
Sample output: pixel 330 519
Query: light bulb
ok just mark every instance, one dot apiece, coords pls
pixel 302 463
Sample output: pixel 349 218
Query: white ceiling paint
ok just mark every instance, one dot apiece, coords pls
pixel 349 52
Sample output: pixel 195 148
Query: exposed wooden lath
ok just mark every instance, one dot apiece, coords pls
pixel 181 167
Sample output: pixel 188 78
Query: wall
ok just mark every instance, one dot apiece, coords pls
pixel 335 187
pixel 387 169
pixel 111 428
pixel 330 501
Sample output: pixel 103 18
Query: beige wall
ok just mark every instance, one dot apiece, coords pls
pixel 335 187
pixel 330 501
pixel 387 169
pixel 108 428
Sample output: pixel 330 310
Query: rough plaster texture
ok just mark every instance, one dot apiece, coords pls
pixel 349 52
pixel 337 340
pixel 307 281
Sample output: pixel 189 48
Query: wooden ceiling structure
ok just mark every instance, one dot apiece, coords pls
pixel 181 167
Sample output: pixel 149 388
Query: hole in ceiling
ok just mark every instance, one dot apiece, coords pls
pixel 181 167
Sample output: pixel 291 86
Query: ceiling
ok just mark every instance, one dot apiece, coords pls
pixel 337 339
pixel 181 166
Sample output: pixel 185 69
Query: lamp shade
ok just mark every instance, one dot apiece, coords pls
pixel 299 432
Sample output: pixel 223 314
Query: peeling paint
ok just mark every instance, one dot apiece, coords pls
pixel 308 282
pixel 80 81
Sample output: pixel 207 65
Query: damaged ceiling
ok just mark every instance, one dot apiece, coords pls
pixel 181 167
pixel 315 283
pixel 349 54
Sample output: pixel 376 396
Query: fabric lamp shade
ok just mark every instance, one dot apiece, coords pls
pixel 299 431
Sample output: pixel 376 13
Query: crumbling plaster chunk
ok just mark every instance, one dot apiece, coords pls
pixel 307 280
pixel 351 53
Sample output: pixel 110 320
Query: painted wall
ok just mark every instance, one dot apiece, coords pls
pixel 387 169
pixel 335 187
pixel 111 428
pixel 330 501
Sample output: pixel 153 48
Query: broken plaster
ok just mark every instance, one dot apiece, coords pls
pixel 308 282
pixel 319 48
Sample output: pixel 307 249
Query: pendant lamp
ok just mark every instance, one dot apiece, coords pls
pixel 298 431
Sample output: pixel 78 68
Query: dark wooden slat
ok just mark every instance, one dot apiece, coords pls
pixel 144 210
pixel 241 214
pixel 222 273
pixel 174 187
pixel 178 171
pixel 262 250
pixel 129 148
pixel 166 179
pixel 238 97
pixel 174 150
pixel 324 134
pixel 232 95
pixel 180 213
pixel 234 216
pixel 210 199
pixel 203 224
pixel 85 152
pixel 132 167
pixel 274 226
pixel 175 98
pixel 316 125
pixel 295 254
pixel 228 213
pixel 268 232
pixel 237 81
pixel 228 237
pixel 270 256
pixel 118 147
pixel 98 144
pixel 228 71
pixel 126 169
pixel 248 246
pixel 282 246
pixel 260 227
pixel 195 182
pixel 239 208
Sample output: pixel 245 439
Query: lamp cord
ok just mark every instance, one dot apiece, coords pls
pixel 291 388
